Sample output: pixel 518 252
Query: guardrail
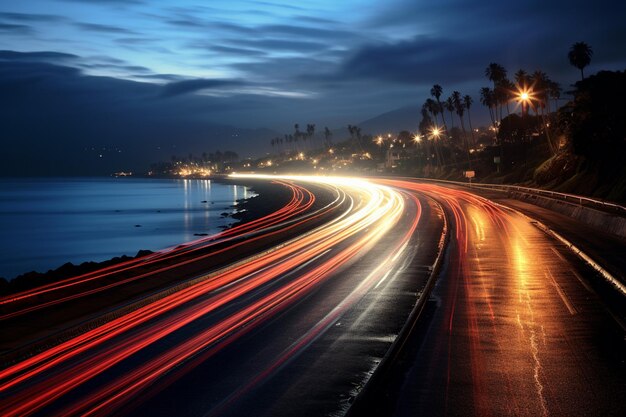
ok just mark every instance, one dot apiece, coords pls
pixel 570 198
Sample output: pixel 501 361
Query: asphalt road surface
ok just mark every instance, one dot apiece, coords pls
pixel 292 330
pixel 516 325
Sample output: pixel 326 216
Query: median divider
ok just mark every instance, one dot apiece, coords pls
pixel 362 404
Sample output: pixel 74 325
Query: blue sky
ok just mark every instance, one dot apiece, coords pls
pixel 216 39
pixel 269 64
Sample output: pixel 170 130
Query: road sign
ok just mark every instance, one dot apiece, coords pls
pixel 469 174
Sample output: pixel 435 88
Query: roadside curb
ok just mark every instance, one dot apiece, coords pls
pixel 360 405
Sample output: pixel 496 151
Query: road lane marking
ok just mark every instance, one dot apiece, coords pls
pixel 557 253
pixel 564 298
pixel 582 281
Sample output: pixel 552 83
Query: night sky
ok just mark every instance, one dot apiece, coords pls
pixel 136 81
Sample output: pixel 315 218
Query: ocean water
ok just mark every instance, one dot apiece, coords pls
pixel 45 223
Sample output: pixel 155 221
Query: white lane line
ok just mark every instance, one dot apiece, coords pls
pixel 556 252
pixel 564 298
pixel 382 279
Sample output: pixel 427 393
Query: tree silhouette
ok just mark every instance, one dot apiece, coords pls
pixel 521 78
pixel 467 103
pixel 310 130
pixel 436 92
pixel 487 100
pixel 496 73
pixel 459 107
pixel 580 56
pixel 327 136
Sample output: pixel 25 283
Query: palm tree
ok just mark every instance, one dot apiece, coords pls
pixel 496 73
pixel 486 99
pixel 436 92
pixel 521 78
pixel 580 56
pixel 429 108
pixel 459 107
pixel 327 136
pixel 433 108
pixel 296 135
pixel 540 86
pixel 310 130
pixel 554 91
pixel 449 105
pixel 467 103
pixel 508 93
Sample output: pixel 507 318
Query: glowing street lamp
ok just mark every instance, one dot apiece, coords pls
pixel 525 97
pixel 436 132
pixel 417 138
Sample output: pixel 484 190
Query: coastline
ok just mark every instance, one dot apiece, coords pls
pixel 268 198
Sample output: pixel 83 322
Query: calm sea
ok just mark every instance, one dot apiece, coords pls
pixel 47 222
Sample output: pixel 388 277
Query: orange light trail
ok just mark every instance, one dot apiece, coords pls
pixel 42 379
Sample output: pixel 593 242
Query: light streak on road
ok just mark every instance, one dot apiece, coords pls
pixel 513 318
pixel 296 215
pixel 301 200
pixel 239 298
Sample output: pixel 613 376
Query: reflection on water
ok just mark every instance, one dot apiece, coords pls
pixel 47 222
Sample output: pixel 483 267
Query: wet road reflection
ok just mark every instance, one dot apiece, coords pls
pixel 516 330
pixel 102 370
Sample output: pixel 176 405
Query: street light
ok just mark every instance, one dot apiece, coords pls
pixel 525 97
pixel 435 132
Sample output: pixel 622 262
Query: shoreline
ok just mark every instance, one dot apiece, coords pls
pixel 245 210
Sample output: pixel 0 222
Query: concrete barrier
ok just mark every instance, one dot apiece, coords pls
pixel 606 222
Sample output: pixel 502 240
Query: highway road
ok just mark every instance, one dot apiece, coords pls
pixel 296 322
pixel 516 325
pixel 298 326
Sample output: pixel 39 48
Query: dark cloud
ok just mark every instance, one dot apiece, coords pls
pixel 305 31
pixel 125 69
pixel 289 69
pixel 423 59
pixel 12 28
pixel 160 77
pixel 280 44
pixel 31 17
pixel 189 86
pixel 36 56
pixel 96 27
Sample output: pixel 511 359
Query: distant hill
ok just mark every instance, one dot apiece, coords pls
pixel 394 121
pixel 404 118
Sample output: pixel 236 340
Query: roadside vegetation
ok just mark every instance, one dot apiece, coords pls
pixel 539 134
